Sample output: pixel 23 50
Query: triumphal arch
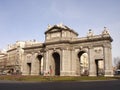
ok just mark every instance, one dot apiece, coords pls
pixel 65 54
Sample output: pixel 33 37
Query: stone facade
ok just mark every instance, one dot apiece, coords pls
pixel 65 54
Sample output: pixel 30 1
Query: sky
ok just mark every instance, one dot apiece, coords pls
pixel 22 20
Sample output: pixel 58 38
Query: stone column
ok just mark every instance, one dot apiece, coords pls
pixel 65 62
pixel 92 67
pixel 73 62
pixel 35 64
pixel 44 62
pixel 24 65
pixel 62 62
pixel 46 70
pixel 108 60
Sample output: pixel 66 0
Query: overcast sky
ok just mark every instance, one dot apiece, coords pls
pixel 22 20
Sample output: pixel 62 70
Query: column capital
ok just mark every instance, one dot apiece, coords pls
pixel 107 46
pixel 90 47
pixel 46 49
pixel 72 48
pixel 32 53
pixel 63 48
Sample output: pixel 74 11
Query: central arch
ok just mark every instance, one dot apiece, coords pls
pixel 56 65
pixel 82 66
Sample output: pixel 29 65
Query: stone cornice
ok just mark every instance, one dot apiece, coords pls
pixel 57 42
pixel 91 39
pixel 11 49
pixel 33 47
pixel 79 40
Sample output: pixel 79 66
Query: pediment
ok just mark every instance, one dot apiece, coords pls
pixel 59 28
pixel 53 29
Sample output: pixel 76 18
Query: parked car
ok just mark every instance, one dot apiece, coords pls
pixel 117 72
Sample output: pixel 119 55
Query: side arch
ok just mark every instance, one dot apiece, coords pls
pixel 40 64
pixel 82 63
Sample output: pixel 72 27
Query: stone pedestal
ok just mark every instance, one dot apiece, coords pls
pixel 108 73
pixel 67 73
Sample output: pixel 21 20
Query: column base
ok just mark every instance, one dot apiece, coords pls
pixel 46 73
pixel 92 74
pixel 68 73
pixel 109 73
pixel 25 74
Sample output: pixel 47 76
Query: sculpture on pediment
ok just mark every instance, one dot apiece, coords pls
pixel 105 31
pixel 90 33
pixel 49 26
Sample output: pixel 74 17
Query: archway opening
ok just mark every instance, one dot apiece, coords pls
pixel 99 67
pixel 56 65
pixel 40 64
pixel 82 64
pixel 29 68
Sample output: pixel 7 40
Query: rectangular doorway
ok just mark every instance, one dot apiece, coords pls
pixel 29 68
pixel 99 67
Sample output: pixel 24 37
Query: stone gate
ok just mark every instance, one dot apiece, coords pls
pixel 65 54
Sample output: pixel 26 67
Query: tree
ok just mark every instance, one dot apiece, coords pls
pixel 117 62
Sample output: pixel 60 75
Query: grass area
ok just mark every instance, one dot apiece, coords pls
pixel 55 78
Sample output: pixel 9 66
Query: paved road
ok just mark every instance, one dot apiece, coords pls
pixel 95 85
